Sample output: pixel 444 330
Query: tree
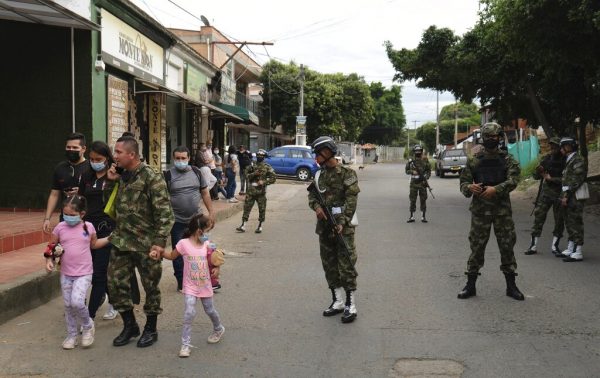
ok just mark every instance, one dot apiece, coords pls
pixel 389 119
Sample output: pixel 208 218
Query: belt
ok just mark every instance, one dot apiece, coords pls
pixel 415 177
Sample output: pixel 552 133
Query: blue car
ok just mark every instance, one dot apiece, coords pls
pixel 296 161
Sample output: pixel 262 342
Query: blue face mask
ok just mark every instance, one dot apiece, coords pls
pixel 204 238
pixel 181 165
pixel 72 220
pixel 98 166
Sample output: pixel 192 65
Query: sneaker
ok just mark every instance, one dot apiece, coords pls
pixel 232 200
pixel 87 337
pixel 110 314
pixel 185 351
pixel 70 342
pixel 216 287
pixel 215 337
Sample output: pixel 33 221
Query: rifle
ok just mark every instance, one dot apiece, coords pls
pixel 425 181
pixel 539 194
pixel 330 219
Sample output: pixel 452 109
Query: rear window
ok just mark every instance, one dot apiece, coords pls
pixel 454 153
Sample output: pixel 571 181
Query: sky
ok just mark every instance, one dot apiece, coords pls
pixel 330 36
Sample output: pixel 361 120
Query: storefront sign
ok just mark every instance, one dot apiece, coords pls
pixel 227 90
pixel 154 124
pixel 126 48
pixel 117 109
pixel 196 84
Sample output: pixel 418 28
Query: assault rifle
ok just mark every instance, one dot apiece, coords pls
pixel 539 194
pixel 423 178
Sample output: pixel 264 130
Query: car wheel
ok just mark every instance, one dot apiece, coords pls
pixel 303 174
pixel 442 174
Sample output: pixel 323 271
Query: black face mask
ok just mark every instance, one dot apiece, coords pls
pixel 490 144
pixel 260 159
pixel 72 156
pixel 418 154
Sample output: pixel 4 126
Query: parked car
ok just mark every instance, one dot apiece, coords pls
pixel 296 161
pixel 450 161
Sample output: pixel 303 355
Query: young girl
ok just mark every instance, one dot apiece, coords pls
pixel 76 238
pixel 196 280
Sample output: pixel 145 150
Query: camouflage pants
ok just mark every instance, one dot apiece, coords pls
pixel 421 191
pixel 504 229
pixel 574 221
pixel 339 270
pixel 119 284
pixel 541 211
pixel 249 203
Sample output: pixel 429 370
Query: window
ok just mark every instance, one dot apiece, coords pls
pixel 277 154
pixel 296 154
pixel 454 153
pixel 307 155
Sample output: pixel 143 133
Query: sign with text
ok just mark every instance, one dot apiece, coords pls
pixel 117 109
pixel 196 86
pixel 155 134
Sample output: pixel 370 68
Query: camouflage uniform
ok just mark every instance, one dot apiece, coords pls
pixel 254 192
pixel 144 218
pixel 341 191
pixel 417 184
pixel 499 169
pixel 573 177
pixel 553 165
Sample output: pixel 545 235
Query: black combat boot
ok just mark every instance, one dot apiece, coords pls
pixel 423 219
pixel 259 228
pixel 532 250
pixel 337 304
pixel 130 329
pixel 350 308
pixel 149 336
pixel 242 227
pixel 411 218
pixel 511 287
pixel 469 290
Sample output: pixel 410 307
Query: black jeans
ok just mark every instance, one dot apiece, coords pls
pixel 100 259
pixel 176 236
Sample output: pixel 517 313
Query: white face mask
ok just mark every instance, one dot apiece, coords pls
pixel 216 151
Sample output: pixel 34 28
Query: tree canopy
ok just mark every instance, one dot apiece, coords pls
pixel 468 115
pixel 389 119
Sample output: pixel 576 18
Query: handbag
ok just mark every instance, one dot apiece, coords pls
pixel 583 192
pixel 109 209
pixel 217 257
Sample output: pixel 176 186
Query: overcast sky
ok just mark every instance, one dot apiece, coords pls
pixel 330 35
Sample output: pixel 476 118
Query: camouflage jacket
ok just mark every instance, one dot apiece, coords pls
pixel 143 211
pixel 574 175
pixel 550 188
pixel 259 172
pixel 420 165
pixel 341 191
pixel 500 203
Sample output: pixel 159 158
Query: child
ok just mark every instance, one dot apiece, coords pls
pixel 196 280
pixel 76 238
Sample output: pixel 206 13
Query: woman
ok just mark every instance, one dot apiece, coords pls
pixel 219 187
pixel 232 167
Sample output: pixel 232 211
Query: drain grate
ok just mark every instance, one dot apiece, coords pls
pixel 421 367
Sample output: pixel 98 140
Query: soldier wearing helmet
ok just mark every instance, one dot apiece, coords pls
pixel 550 171
pixel 573 178
pixel 258 176
pixel 489 177
pixel 339 187
pixel 419 170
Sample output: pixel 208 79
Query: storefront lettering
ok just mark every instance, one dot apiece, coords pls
pixel 135 50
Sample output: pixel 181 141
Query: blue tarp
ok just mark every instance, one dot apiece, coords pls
pixel 525 151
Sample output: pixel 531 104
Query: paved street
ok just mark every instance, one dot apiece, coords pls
pixel 409 274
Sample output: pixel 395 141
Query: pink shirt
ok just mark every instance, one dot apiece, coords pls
pixel 77 257
pixel 196 274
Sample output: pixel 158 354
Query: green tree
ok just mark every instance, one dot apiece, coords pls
pixel 389 120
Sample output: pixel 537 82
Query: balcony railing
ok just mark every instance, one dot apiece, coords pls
pixel 244 101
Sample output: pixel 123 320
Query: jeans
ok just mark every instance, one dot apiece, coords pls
pixel 243 180
pixel 220 189
pixel 176 236
pixel 100 259
pixel 231 184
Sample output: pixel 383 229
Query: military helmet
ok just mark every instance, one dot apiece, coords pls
pixel 323 142
pixel 568 140
pixel 555 141
pixel 491 129
pixel 262 153
pixel 417 148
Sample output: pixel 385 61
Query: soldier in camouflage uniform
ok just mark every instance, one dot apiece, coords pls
pixel 339 187
pixel 549 170
pixel 258 176
pixel 420 171
pixel 144 219
pixel 489 177
pixel 573 177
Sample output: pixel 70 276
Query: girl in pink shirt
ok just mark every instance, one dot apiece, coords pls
pixel 77 238
pixel 196 280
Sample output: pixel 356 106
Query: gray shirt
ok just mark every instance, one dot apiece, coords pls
pixel 185 194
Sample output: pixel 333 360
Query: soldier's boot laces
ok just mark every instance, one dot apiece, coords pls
pixel 337 304
pixel 259 228
pixel 423 219
pixel 532 250
pixel 242 227
pixel 555 245
pixel 150 335
pixel 511 287
pixel 130 329
pixel 411 218
pixel 469 290
pixel 350 308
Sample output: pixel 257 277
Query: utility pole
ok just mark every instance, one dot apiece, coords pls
pixel 437 120
pixel 455 124
pixel 301 119
pixel 301 113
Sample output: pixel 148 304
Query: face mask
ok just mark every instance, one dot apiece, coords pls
pixel 72 156
pixel 418 155
pixel 181 165
pixel 72 220
pixel 216 151
pixel 209 146
pixel 98 166
pixel 204 238
pixel 260 159
pixel 490 144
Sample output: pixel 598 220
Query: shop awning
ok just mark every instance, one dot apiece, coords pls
pixel 246 127
pixel 43 12
pixel 244 113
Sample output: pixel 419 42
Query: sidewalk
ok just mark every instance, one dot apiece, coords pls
pixel 24 283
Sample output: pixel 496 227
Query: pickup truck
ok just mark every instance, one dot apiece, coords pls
pixel 450 161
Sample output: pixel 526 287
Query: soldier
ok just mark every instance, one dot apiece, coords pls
pixel 420 171
pixel 258 176
pixel 550 170
pixel 489 177
pixel 144 219
pixel 573 177
pixel 339 185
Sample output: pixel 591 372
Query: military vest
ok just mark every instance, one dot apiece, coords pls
pixel 490 170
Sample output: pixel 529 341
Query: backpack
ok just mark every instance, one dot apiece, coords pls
pixel 167 176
